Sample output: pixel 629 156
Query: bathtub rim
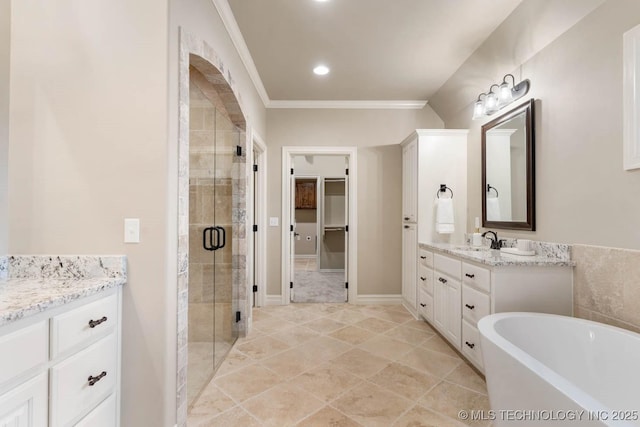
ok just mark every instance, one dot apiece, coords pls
pixel 583 399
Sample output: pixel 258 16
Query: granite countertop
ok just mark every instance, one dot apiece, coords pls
pixel 546 255
pixel 32 284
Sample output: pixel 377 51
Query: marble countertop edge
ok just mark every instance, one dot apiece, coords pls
pixel 496 258
pixel 21 298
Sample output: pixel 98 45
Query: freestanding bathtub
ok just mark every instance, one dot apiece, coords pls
pixel 549 370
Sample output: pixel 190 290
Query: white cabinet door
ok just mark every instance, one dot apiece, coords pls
pixel 446 308
pixel 409 267
pixel 410 182
pixel 453 315
pixel 26 405
pixel 439 306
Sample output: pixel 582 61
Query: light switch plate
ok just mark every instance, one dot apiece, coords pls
pixel 273 221
pixel 132 230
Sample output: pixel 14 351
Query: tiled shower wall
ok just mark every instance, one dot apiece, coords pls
pixel 606 285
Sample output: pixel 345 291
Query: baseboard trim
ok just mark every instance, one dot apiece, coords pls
pixel 391 299
pixel 273 300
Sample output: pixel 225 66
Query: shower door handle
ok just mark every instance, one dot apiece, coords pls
pixel 207 238
pixel 224 237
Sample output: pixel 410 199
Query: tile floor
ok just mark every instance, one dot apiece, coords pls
pixel 340 365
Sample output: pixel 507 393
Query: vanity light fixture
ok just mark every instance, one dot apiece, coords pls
pixel 504 95
pixel 321 70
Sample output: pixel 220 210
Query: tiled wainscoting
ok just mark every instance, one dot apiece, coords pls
pixel 607 285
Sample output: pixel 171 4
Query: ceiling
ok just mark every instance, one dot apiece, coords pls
pixel 382 50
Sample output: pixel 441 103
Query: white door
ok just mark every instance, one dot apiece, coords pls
pixel 410 182
pixel 292 232
pixel 346 232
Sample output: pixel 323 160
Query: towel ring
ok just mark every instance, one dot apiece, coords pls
pixel 489 188
pixel 443 189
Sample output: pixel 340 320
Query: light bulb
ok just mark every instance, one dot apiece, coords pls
pixel 505 94
pixel 321 70
pixel 491 103
pixel 478 110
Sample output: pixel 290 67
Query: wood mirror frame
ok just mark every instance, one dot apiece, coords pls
pixel 527 111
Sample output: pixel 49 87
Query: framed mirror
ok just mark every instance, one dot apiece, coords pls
pixel 508 186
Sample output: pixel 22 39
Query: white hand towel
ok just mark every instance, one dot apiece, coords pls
pixel 444 216
pixel 493 209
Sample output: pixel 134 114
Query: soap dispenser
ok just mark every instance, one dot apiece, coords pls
pixel 476 239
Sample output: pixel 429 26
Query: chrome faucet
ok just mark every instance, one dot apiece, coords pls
pixel 495 243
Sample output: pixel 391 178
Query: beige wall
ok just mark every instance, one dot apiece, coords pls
pixel 377 134
pixel 5 38
pixel 583 195
pixel 87 149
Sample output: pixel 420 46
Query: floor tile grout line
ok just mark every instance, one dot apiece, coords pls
pixel 320 314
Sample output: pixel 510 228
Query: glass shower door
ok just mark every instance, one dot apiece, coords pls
pixel 227 138
pixel 212 143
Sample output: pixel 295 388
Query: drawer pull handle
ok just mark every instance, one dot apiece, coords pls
pixel 423 304
pixel 423 278
pixel 470 345
pixel 423 257
pixel 470 307
pixel 470 276
pixel 92 380
pixel 442 280
pixel 94 323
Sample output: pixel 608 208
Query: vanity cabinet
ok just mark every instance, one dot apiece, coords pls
pixel 61 367
pixel 430 158
pixel 465 291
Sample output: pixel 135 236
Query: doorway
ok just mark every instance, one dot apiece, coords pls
pixel 319 236
pixel 258 206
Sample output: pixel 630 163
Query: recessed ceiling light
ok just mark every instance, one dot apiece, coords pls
pixel 322 1
pixel 321 70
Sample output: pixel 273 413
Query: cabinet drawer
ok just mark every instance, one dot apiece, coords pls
pixel 425 279
pixel 103 416
pixel 425 258
pixel 23 350
pixel 471 344
pixel 475 305
pixel 77 326
pixel 72 394
pixel 476 276
pixel 425 305
pixel 447 265
pixel 446 280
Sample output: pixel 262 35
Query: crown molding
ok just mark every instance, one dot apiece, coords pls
pixel 229 21
pixel 382 105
